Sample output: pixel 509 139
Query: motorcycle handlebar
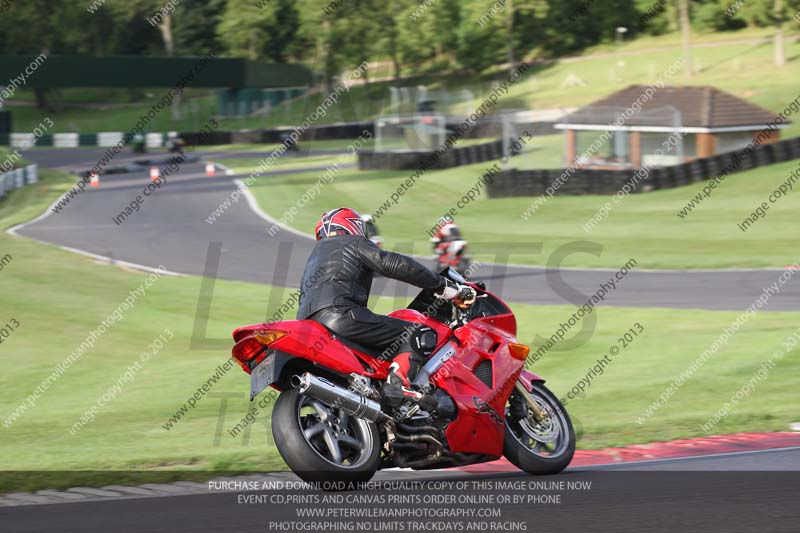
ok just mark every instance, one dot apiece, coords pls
pixel 466 297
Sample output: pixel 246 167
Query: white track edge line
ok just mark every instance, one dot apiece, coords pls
pixel 253 203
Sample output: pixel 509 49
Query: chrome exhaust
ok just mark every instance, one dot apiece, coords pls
pixel 335 396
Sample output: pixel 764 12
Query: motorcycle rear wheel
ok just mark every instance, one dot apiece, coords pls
pixel 539 447
pixel 322 444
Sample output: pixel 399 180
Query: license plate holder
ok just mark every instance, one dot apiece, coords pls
pixel 262 376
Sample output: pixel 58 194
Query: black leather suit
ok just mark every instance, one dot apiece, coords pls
pixel 337 282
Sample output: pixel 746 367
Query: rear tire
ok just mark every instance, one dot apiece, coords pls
pixel 306 441
pixel 539 448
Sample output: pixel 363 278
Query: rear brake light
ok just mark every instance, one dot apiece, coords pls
pixel 246 350
pixel 251 350
pixel 519 351
pixel 267 337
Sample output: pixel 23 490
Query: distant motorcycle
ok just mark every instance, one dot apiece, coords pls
pixel 290 144
pixel 138 144
pixel 336 424
pixel 450 248
pixel 176 145
pixel 371 229
pixel 453 254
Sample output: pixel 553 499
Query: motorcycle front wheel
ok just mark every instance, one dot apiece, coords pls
pixel 538 444
pixel 323 444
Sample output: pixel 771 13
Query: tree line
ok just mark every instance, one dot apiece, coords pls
pixel 409 36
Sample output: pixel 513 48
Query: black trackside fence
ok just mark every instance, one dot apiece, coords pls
pixel 411 160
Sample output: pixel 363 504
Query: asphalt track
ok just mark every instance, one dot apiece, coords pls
pixel 171 230
pixel 750 491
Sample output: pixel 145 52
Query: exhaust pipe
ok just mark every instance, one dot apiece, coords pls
pixel 350 402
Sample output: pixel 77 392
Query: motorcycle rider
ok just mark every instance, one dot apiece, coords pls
pixel 336 286
pixel 447 232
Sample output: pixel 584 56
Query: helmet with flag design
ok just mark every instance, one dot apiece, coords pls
pixel 339 221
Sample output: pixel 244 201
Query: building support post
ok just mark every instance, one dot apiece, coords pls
pixel 570 139
pixel 705 145
pixel 635 149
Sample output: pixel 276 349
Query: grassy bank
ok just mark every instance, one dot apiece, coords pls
pixel 246 165
pixel 645 226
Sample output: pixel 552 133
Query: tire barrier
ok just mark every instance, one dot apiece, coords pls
pixel 19 177
pixel 412 160
pixel 487 129
pixel 511 183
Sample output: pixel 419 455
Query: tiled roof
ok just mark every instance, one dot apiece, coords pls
pixel 689 106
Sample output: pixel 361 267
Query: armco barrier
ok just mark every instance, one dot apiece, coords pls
pixel 515 182
pixel 342 130
pixel 345 130
pixel 14 179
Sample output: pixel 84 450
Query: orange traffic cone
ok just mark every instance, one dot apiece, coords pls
pixel 154 174
pixel 94 180
pixel 210 169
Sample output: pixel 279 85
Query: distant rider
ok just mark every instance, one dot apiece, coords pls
pixel 447 233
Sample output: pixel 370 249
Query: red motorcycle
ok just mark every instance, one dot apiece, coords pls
pixel 334 422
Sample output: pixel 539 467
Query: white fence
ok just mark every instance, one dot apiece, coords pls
pixel 18 178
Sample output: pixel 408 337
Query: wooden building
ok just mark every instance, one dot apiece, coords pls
pixel 646 125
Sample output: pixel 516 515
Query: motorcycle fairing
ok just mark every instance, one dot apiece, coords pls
pixel 479 426
pixel 313 341
pixel 443 332
pixel 528 378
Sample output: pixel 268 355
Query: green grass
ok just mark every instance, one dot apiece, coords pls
pixel 247 164
pixel 76 96
pixel 6 155
pixel 58 297
pixel 643 226
pixel 242 165
pixel 194 115
pixel 315 144
pixel 545 151
pixel 639 374
pixel 737 68
pixel 674 39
